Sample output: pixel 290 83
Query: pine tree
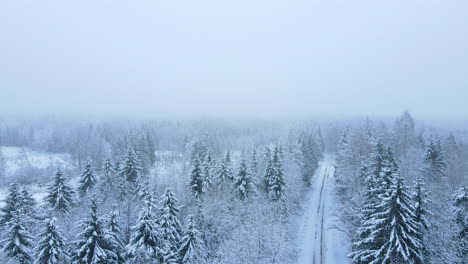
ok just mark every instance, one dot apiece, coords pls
pixel 18 242
pixel 268 171
pixel 378 173
pixel 277 184
pixel 28 203
pixel 421 212
pixel 460 203
pixel 60 195
pixel 435 161
pixel 362 245
pixel 51 248
pixel 254 163
pixel 207 176
pixel 169 224
pixel 107 171
pixel 130 169
pixel 393 233
pixel 196 183
pixel 151 149
pixel 12 204
pixel 145 242
pixel 94 244
pixel 87 179
pixel 310 155
pixel 244 186
pixel 191 249
pixel 420 203
pixel 225 173
pixel 116 237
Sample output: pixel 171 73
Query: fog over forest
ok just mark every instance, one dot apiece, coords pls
pixel 233 132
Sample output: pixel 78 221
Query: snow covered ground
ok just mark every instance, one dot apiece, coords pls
pixel 321 242
pixel 17 158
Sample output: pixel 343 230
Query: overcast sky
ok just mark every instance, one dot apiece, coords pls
pixel 256 58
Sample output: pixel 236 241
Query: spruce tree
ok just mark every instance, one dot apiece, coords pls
pixel 254 163
pixel 94 244
pixel 28 203
pixel 196 181
pixel 268 171
pixel 393 233
pixel 310 155
pixel 225 173
pixel 116 237
pixel 460 204
pixel 12 204
pixel 191 249
pixel 18 241
pixel 145 242
pixel 206 166
pixel 244 186
pixel 108 171
pixel 130 169
pixel 435 161
pixel 420 203
pixel 167 219
pixel 87 179
pixel 277 184
pixel 169 224
pixel 60 196
pixel 151 149
pixel 51 248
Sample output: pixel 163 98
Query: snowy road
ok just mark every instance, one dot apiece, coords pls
pixel 321 243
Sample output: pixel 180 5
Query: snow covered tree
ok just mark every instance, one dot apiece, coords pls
pixel 393 233
pixel 310 156
pixel 60 196
pixel 192 248
pixel 207 170
pixel 18 241
pixel 460 203
pixel 130 169
pixel 169 224
pixel 94 244
pixel 116 237
pixel 12 204
pixel 277 184
pixel 244 186
pixel 145 243
pixel 268 171
pixel 107 171
pixel 225 173
pixel 254 163
pixel 51 248
pixel 455 156
pixel 196 182
pixel 420 203
pixel 28 203
pixel 435 161
pixel 150 148
pixel 403 133
pixel 87 179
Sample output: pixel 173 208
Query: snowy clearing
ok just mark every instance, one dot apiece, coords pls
pixel 17 158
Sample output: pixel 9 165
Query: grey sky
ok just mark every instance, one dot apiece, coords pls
pixel 234 57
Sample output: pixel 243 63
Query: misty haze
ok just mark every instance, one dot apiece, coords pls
pixel 233 132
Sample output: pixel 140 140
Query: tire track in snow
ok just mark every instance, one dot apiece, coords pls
pixel 318 243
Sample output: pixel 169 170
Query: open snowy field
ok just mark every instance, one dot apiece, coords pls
pixel 18 158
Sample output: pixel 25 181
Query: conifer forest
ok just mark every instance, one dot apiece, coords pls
pixel 234 132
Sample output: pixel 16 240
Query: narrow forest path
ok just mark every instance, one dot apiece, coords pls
pixel 321 243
